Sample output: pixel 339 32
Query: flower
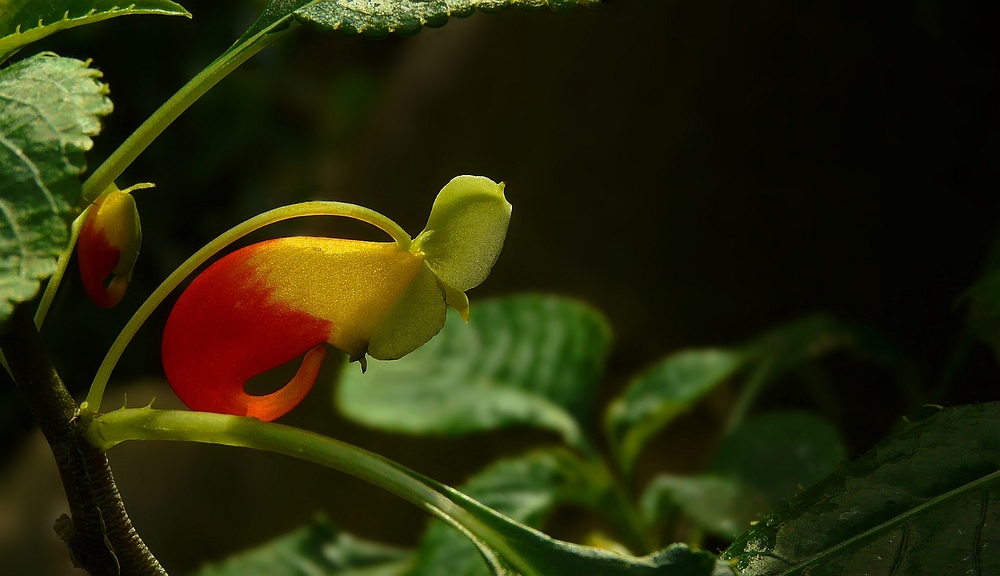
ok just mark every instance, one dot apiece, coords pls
pixel 271 302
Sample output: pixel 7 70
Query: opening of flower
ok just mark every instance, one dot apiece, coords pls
pixel 269 303
pixel 109 245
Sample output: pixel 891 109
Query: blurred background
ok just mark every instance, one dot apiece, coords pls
pixel 699 171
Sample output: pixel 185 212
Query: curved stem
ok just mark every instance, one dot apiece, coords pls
pixel 53 286
pixel 56 279
pixel 113 167
pixel 752 389
pixel 96 394
pixel 126 424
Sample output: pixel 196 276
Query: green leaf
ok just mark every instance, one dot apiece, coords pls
pixel 717 505
pixel 668 389
pixel 379 19
pixel 25 21
pixel 49 109
pixel 315 550
pixel 526 360
pixel 465 231
pixel 508 547
pixel 526 489
pixel 760 466
pixel 925 500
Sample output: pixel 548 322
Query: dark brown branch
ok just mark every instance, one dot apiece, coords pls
pixel 100 535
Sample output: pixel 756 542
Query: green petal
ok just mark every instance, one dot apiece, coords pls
pixel 414 318
pixel 465 231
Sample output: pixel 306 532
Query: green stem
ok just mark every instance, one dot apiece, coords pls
pixel 623 513
pixel 93 402
pixel 752 389
pixel 448 504
pixel 100 535
pixel 113 167
pixel 56 279
pixel 53 286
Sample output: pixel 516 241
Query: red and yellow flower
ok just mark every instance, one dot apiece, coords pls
pixel 271 302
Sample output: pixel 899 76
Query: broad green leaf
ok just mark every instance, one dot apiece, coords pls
pixel 526 489
pixel 315 550
pixel 379 19
pixel 465 231
pixel 509 547
pixel 49 109
pixel 760 466
pixel 668 389
pixel 25 21
pixel 526 360
pixel 924 501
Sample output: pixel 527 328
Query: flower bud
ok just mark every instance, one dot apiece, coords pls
pixel 108 246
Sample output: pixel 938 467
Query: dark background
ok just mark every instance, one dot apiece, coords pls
pixel 699 171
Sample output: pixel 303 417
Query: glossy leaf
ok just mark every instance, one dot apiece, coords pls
pixel 527 360
pixel 315 550
pixel 763 464
pixel 25 21
pixel 49 109
pixel 379 19
pixel 526 489
pixel 925 500
pixel 670 388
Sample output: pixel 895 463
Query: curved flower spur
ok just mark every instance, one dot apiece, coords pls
pixel 268 303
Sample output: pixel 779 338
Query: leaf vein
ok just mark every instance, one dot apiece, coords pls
pixel 16 230
pixel 985 480
pixel 899 550
pixel 35 172
pixel 979 531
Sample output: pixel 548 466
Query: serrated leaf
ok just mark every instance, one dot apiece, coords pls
pixel 379 18
pixel 49 109
pixel 315 550
pixel 924 501
pixel 25 21
pixel 526 489
pixel 760 466
pixel 526 360
pixel 668 389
